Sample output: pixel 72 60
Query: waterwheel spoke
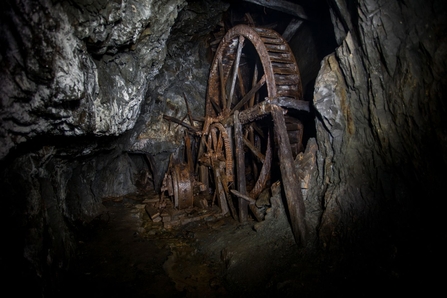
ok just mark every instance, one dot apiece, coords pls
pixel 235 70
pixel 250 93
pixel 253 83
pixel 264 175
pixel 222 83
pixel 254 150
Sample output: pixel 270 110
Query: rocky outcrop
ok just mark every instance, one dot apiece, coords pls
pixel 78 68
pixel 73 78
pixel 380 133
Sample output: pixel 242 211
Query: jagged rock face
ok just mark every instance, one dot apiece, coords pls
pixel 380 132
pixel 182 78
pixel 73 75
pixel 79 67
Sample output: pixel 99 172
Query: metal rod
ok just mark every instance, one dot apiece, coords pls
pixel 250 93
pixel 175 120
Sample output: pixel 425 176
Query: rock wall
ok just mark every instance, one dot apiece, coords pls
pixel 77 75
pixel 74 75
pixel 381 136
pixel 76 68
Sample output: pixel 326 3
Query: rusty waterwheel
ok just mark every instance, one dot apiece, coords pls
pixel 252 67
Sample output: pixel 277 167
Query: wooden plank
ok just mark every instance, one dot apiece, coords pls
pixel 252 204
pixel 235 70
pixel 283 6
pixel 242 196
pixel 291 29
pixel 221 198
pixel 152 211
pixel 291 103
pixel 292 188
pixel 175 120
pixel 240 167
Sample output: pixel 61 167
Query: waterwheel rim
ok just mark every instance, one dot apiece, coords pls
pixel 272 73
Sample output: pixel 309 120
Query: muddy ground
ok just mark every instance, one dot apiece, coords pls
pixel 125 254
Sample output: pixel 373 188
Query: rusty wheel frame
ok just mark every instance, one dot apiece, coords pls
pixel 259 58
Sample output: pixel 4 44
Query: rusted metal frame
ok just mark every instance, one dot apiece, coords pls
pixel 216 106
pixel 254 150
pixel 253 83
pixel 251 139
pixel 228 150
pixel 241 82
pixel 240 168
pixel 292 188
pixel 230 41
pixel 258 111
pixel 225 184
pixel 248 96
pixel 219 190
pixel 189 159
pixel 251 103
pixel 222 82
pixel 264 175
pixel 257 129
pixel 235 70
pixel 212 140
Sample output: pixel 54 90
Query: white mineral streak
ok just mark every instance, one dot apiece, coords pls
pixel 67 97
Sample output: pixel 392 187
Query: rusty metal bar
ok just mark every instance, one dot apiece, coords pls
pixel 248 96
pixel 189 159
pixel 264 175
pixel 254 150
pixel 258 111
pixel 175 120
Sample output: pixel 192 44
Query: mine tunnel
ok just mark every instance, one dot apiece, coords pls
pixel 218 148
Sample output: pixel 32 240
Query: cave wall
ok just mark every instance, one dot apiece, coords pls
pixel 74 76
pixel 104 72
pixel 381 136
pixel 90 69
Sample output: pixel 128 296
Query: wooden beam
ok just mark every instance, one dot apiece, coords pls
pixel 240 168
pixel 283 6
pixel 291 29
pixel 291 184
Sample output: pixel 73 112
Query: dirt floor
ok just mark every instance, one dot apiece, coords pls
pixel 125 254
